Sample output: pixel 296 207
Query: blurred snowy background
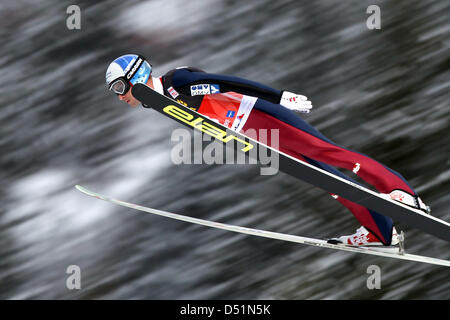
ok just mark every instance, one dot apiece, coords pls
pixel 382 92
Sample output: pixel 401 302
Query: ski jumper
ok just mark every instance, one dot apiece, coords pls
pixel 242 105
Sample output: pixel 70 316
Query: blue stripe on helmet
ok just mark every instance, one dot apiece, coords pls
pixel 125 61
pixel 142 74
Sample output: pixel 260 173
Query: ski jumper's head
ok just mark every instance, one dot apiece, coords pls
pixel 126 71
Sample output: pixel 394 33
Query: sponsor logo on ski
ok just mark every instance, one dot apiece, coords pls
pixel 208 128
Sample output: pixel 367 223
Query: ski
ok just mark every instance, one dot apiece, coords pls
pixel 292 166
pixel 391 252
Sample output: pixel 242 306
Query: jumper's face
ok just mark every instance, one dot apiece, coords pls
pixel 128 98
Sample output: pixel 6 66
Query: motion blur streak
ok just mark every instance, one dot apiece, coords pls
pixel 382 92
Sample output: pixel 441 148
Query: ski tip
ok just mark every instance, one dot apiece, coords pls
pixel 88 192
pixel 138 87
pixel 82 189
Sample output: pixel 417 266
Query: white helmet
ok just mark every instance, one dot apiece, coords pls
pixel 127 70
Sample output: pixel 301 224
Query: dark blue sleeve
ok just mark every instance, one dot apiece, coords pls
pixel 184 78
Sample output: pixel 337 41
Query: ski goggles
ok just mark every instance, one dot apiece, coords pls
pixel 122 84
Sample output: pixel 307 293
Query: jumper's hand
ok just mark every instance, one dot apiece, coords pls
pixel 295 102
